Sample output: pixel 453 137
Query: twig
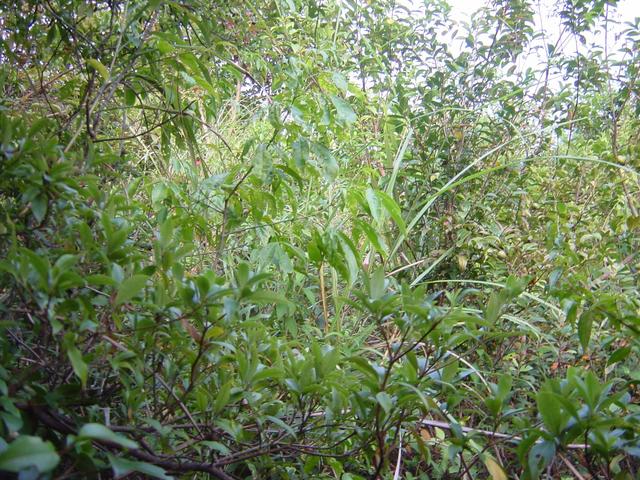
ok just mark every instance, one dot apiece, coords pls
pixel 570 466
pixel 60 423
pixel 487 433
pixel 396 475
pixel 149 130
pixel 182 405
pixel 323 298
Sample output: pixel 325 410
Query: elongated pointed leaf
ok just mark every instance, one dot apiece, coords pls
pixel 96 431
pixel 79 365
pixel 123 466
pixel 100 68
pixel 585 324
pixel 551 411
pixel 392 209
pixel 130 288
pixel 375 206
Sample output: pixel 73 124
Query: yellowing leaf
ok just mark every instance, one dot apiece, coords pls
pixel 495 470
pixel 633 223
pixel 100 68
pixel 214 332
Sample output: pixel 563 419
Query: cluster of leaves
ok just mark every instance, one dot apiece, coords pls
pixel 312 240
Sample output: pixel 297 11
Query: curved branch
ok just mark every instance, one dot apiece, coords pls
pixel 61 424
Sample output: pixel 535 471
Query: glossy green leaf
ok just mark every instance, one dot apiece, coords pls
pixel 27 451
pixel 123 467
pixel 551 411
pixel 619 355
pixel 96 431
pixel 80 367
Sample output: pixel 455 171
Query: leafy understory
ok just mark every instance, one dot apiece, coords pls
pixel 303 239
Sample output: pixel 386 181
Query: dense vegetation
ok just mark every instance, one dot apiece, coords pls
pixel 318 239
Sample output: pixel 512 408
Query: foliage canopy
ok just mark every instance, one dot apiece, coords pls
pixel 318 239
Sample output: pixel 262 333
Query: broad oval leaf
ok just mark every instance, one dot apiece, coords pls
pixel 551 412
pixel 345 112
pixel 27 451
pixel 130 288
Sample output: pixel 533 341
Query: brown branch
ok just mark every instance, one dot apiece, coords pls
pixel 62 424
pixel 149 130
pixel 225 211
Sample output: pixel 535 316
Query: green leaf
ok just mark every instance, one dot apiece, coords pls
pixel 130 288
pixel 96 431
pixel 376 239
pixel 300 152
pixel 585 324
pixel 571 311
pixel 224 394
pixel 340 81
pixel 494 307
pixel 385 401
pixel 217 446
pixel 25 452
pixel 375 206
pixel 99 279
pixel 349 251
pixel 100 68
pixel 159 193
pixel 39 206
pixel 363 365
pixel 314 252
pixel 619 355
pixel 122 467
pixel 65 262
pixel 504 386
pixel 392 209
pixel 79 366
pixel 263 297
pixel 514 286
pixel 540 456
pixel 377 284
pixel 329 163
pixel 282 425
pixel 40 264
pixel 129 97
pixel 551 412
pixel 345 112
